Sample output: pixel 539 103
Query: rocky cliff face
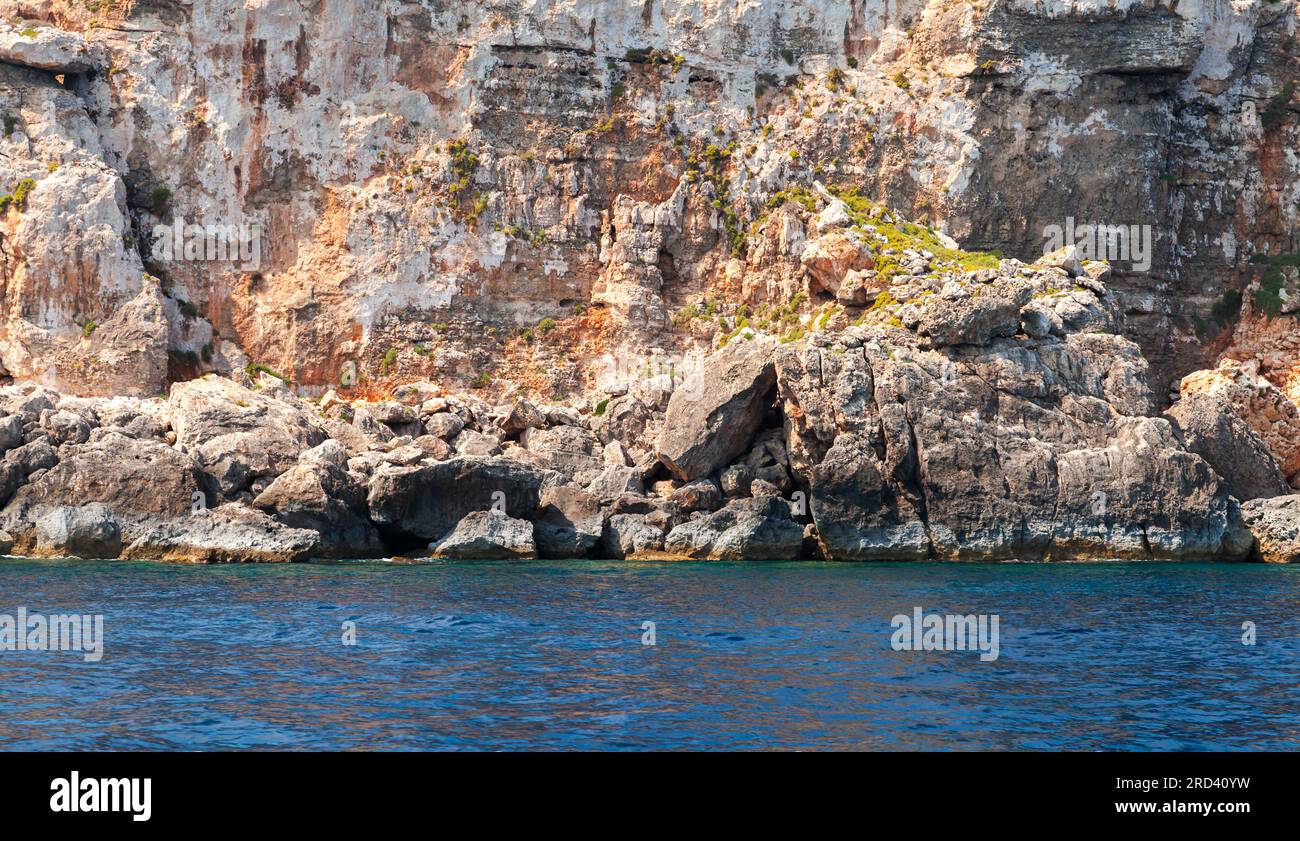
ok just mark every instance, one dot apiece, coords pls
pixel 578 203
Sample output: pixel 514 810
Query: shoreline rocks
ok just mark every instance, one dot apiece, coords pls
pixel 974 436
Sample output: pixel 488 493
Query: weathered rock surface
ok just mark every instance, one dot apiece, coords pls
pixel 424 502
pixel 319 494
pixel 47 48
pixel 487 535
pixel 1275 523
pixel 713 415
pixel 1212 429
pixel 135 480
pixel 631 537
pixel 569 522
pixel 1003 448
pixel 759 528
pixel 231 533
pixel 238 435
pixel 86 531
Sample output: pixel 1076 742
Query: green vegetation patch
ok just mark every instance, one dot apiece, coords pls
pixel 1269 296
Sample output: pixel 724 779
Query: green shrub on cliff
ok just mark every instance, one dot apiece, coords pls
pixel 1275 112
pixel 1270 295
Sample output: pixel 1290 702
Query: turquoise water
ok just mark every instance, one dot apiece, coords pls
pixel 550 656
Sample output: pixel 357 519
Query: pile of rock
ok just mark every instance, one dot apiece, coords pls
pixel 1000 417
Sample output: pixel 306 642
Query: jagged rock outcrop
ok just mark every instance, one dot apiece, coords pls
pixel 319 494
pixel 1011 447
pixel 1275 524
pixel 135 481
pixel 426 501
pixel 86 531
pixel 713 415
pixel 1212 429
pixel 231 533
pixel 487 535
pixel 524 195
pixel 760 527
pixel 240 437
pixel 615 279
pixel 569 523
pixel 1237 390
pixel 47 48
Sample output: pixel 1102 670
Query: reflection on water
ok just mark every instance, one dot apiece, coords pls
pixel 549 655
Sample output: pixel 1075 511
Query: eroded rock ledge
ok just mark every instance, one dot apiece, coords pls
pixel 980 415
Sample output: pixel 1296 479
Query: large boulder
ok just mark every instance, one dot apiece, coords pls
pixel 631 537
pixel 1275 524
pixel 47 48
pixel 1210 427
pixel 572 451
pixel 85 531
pixel 487 535
pixel 137 481
pixel 714 413
pixel 756 529
pixel 318 493
pixel 700 495
pixel 231 533
pixel 239 435
pixel 423 502
pixel 974 314
pixel 569 522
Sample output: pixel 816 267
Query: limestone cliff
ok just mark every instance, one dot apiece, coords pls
pixel 577 202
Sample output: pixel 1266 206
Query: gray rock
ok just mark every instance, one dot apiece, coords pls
pixel 625 419
pixel 238 435
pixel 50 48
pixel 11 433
pixel 1065 258
pixel 136 480
pixel 1212 429
pixel 523 415
pixel 433 447
pixel 364 420
pixel 393 414
pixel 85 531
pixel 629 536
pixel 319 494
pixel 974 314
pixel 569 522
pixel 736 479
pixel 33 456
pixel 713 415
pixel 1013 450
pixel 444 425
pixel 231 533
pixel 744 530
pixel 424 502
pixel 1275 526
pixel 471 443
pixel 615 481
pixel 65 427
pixel 572 451
pixel 700 495
pixel 486 535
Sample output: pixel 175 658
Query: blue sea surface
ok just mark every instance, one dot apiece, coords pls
pixel 550 655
